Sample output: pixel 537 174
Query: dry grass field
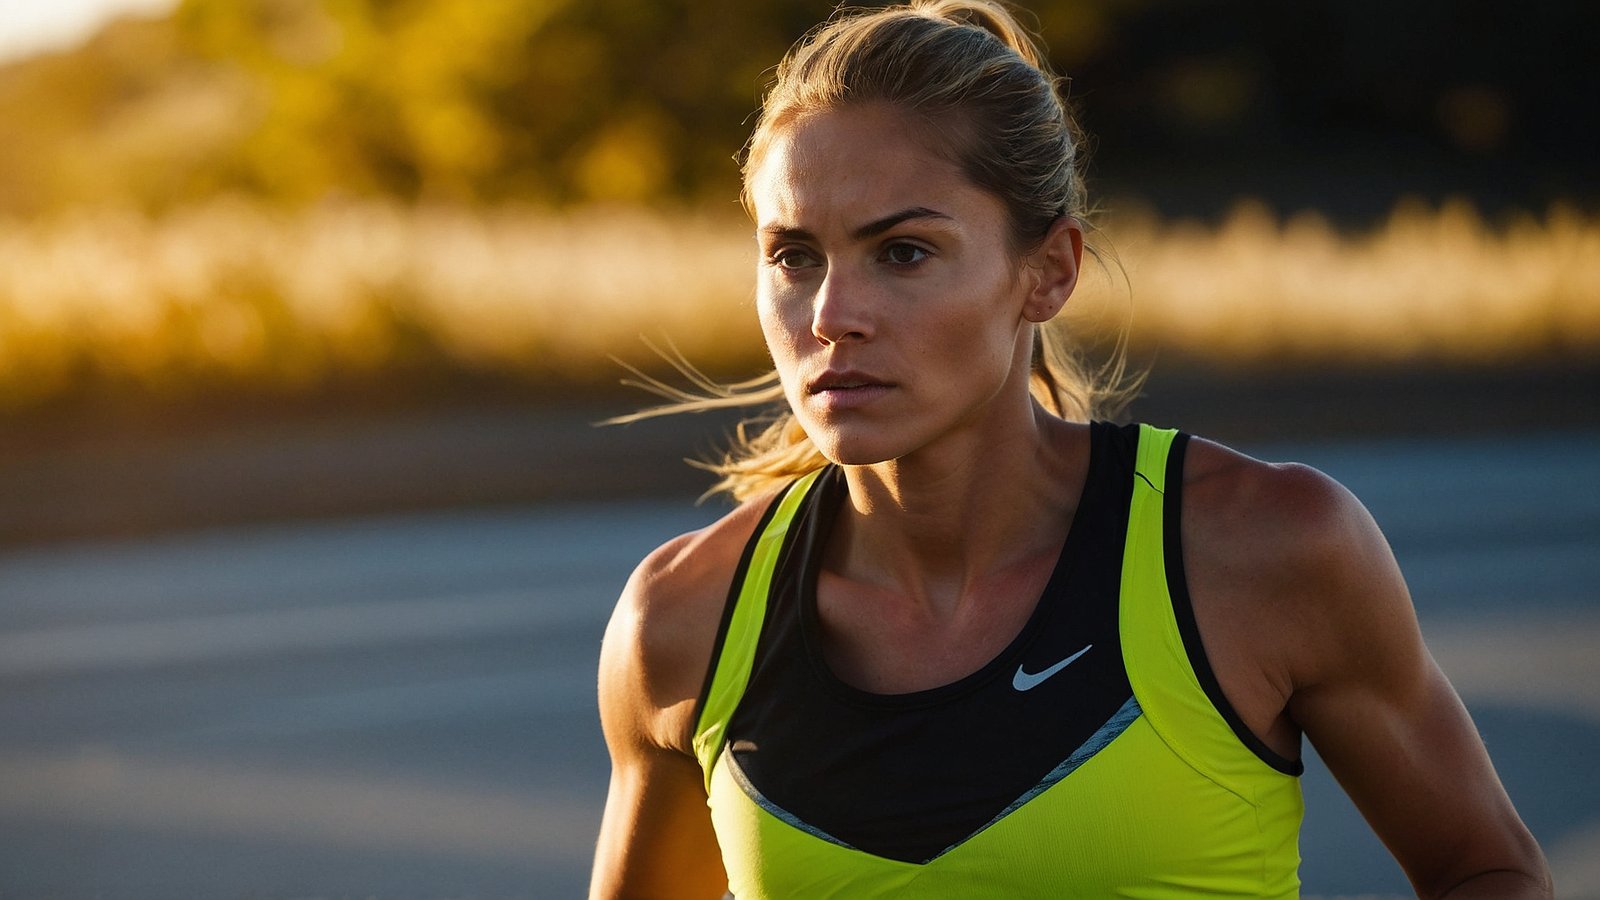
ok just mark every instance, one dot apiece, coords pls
pixel 230 293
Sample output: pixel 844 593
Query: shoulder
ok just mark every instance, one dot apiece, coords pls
pixel 1287 515
pixel 659 642
pixel 1294 550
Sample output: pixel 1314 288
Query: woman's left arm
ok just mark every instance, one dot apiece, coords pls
pixel 1381 714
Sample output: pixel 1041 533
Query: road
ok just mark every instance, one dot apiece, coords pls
pixel 403 707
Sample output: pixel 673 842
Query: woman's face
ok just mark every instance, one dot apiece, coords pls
pixel 890 298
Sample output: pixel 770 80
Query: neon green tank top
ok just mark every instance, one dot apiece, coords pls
pixel 1171 798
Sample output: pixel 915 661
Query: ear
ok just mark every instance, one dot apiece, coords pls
pixel 1054 268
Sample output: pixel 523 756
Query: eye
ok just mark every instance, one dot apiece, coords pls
pixel 903 254
pixel 792 258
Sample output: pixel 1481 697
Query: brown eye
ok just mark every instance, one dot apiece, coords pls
pixel 904 254
pixel 793 258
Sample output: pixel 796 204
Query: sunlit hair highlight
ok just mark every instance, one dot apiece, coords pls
pixel 980 82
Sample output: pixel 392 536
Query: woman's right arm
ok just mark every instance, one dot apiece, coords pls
pixel 656 838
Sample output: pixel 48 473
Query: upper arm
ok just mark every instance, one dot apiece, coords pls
pixel 1370 698
pixel 656 838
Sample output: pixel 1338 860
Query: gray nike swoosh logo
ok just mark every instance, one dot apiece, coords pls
pixel 1023 681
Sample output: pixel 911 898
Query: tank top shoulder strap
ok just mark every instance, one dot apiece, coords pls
pixel 1165 659
pixel 735 649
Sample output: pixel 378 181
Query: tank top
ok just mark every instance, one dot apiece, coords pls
pixel 1095 756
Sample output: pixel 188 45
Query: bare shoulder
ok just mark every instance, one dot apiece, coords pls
pixel 1293 582
pixel 656 838
pixel 658 644
pixel 1220 474
pixel 1288 519
pixel 1295 550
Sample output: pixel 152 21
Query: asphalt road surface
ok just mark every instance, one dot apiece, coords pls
pixel 403 707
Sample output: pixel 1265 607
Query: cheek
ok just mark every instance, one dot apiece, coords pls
pixel 781 341
pixel 973 314
pixel 783 324
pixel 771 327
pixel 976 340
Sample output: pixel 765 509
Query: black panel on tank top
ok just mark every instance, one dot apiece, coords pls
pixel 907 776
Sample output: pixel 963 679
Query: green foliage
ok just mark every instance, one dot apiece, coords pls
pixel 549 101
pixel 368 97
pixel 559 102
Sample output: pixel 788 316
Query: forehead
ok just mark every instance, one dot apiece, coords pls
pixel 853 162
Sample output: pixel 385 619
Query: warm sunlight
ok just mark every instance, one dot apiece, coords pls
pixel 31 27
pixel 268 298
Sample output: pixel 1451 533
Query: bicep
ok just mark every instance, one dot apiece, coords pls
pixel 1411 760
pixel 1391 728
pixel 655 836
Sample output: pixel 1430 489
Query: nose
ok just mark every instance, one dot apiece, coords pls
pixel 841 309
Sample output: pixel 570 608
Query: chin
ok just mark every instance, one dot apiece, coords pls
pixel 857 459
pixel 854 450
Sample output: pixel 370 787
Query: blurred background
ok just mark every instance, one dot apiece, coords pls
pixel 308 309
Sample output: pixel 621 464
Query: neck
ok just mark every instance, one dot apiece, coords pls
pixel 934 526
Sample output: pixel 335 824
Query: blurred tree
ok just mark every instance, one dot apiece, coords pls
pixel 368 96
pixel 564 101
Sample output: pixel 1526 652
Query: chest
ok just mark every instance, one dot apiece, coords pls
pixel 991 783
pixel 975 724
pixel 882 642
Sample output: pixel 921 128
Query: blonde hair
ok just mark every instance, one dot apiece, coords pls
pixel 978 77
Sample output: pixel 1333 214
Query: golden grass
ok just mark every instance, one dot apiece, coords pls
pixel 239 294
pixel 1428 286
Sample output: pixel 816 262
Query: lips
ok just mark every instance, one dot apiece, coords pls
pixel 844 380
pixel 847 389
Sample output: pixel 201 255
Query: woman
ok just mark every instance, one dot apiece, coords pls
pixel 959 643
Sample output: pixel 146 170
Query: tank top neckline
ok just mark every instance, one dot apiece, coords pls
pixel 825 502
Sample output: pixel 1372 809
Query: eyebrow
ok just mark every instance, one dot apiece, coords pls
pixel 871 229
pixel 879 226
